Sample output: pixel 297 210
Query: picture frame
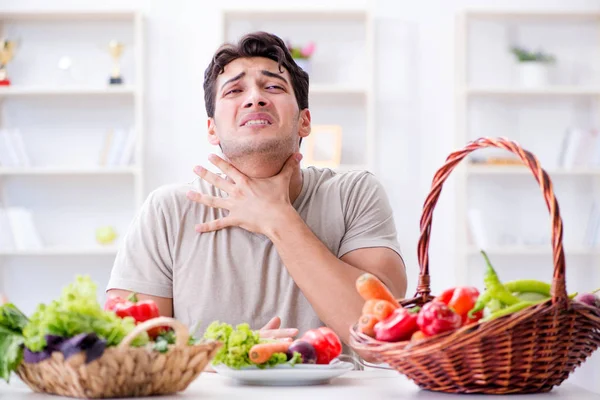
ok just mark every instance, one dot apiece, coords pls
pixel 324 146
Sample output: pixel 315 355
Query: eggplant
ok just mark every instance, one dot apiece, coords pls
pixel 588 298
pixel 306 350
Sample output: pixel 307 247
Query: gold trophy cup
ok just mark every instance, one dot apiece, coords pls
pixel 115 49
pixel 7 52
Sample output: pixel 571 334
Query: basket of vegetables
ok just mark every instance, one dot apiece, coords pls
pixel 523 336
pixel 73 347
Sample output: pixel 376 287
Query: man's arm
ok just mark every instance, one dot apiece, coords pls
pixel 329 283
pixel 165 304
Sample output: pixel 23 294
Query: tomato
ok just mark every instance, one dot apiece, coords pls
pixel 326 343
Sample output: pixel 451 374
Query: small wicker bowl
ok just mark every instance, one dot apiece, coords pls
pixel 530 351
pixel 123 371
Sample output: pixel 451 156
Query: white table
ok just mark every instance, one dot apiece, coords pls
pixel 360 385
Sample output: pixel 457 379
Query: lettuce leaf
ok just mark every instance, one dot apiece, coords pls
pixel 11 351
pixel 77 311
pixel 237 344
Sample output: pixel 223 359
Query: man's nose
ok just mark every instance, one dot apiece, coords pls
pixel 255 98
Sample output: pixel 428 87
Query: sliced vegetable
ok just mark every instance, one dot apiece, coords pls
pixel 370 287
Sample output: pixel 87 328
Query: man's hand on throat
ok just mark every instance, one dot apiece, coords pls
pixel 254 204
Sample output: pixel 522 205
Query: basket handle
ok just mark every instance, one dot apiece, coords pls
pixel 181 332
pixel 558 290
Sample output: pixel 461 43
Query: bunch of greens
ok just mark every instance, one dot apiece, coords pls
pixel 77 311
pixel 525 55
pixel 237 344
pixel 12 323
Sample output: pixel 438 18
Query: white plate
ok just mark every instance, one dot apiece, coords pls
pixel 285 374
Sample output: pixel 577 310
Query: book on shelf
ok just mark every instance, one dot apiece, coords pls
pixel 580 148
pixel 12 149
pixel 592 230
pixel 18 230
pixel 118 147
pixel 477 232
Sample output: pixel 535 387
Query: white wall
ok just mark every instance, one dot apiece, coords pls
pixel 414 103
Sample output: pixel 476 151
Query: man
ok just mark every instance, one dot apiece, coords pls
pixel 265 238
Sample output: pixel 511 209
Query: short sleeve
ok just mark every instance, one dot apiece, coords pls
pixel 143 263
pixel 368 217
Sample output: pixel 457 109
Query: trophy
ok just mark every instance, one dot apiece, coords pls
pixel 7 51
pixel 116 50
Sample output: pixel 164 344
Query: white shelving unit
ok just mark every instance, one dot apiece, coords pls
pixel 469 92
pixel 490 103
pixel 341 80
pixel 64 127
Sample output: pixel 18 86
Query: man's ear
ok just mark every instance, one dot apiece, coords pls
pixel 304 124
pixel 212 132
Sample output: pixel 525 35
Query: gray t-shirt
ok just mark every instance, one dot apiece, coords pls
pixel 236 276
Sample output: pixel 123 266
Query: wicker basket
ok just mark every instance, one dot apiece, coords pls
pixel 529 351
pixel 123 371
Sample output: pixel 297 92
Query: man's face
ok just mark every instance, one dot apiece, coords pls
pixel 256 112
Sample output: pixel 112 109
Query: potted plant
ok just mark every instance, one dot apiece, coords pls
pixel 302 55
pixel 533 66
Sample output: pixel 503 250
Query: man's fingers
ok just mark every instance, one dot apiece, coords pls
pixel 274 323
pixel 214 179
pixel 292 163
pixel 227 168
pixel 215 225
pixel 210 201
pixel 278 333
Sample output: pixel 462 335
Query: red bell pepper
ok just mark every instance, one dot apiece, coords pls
pixel 326 343
pixel 461 300
pixel 436 317
pixel 400 325
pixel 140 311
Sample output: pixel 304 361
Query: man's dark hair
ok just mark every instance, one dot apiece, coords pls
pixel 257 44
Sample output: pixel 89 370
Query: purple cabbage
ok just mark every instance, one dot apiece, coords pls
pixel 88 342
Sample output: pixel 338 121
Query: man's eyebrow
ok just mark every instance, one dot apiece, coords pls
pixel 272 75
pixel 235 78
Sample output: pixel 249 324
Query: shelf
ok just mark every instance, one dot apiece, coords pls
pixel 538 15
pixel 533 250
pixel 296 13
pixel 476 170
pixel 63 251
pixel 68 171
pixel 337 89
pixel 66 15
pixel 547 91
pixel 14 91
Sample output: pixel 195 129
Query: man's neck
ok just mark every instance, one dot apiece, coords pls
pixel 260 169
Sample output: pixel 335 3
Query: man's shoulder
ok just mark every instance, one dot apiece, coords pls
pixel 172 193
pixel 344 180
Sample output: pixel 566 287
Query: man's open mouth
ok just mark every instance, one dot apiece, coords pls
pixel 253 122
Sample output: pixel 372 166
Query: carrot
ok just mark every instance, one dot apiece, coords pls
pixel 260 353
pixel 369 306
pixel 382 309
pixel 366 323
pixel 370 287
